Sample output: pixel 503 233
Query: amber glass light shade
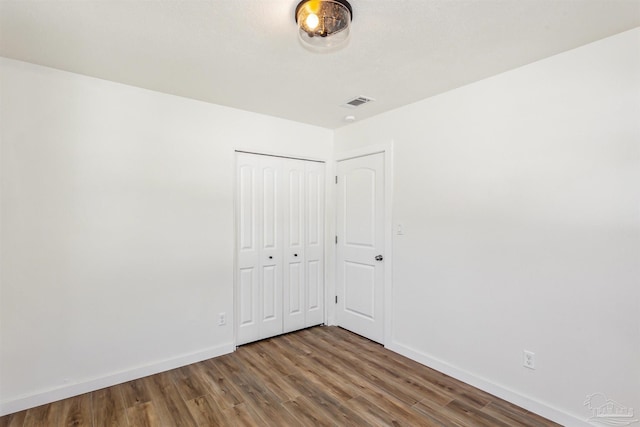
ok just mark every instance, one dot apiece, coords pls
pixel 323 25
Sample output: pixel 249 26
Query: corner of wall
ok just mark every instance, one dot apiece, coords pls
pixel 483 384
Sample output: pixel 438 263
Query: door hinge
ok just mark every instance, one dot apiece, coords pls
pixel 336 179
pixel 336 299
pixel 336 240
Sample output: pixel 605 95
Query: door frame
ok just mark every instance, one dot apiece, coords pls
pixel 387 150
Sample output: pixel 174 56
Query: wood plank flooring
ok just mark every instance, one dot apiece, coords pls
pixel 323 376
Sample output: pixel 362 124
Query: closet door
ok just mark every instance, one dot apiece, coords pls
pixel 270 296
pixel 280 229
pixel 295 292
pixel 314 243
pixel 248 214
pixel 259 247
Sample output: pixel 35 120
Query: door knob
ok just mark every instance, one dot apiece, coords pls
pixel 270 257
pixel 379 258
pixel 295 254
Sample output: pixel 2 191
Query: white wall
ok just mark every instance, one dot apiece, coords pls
pixel 520 199
pixel 117 228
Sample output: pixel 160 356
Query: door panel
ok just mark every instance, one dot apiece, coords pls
pixel 295 208
pixel 314 246
pixel 259 278
pixel 360 228
pixel 246 281
pixel 249 211
pixel 294 289
pixel 315 205
pixel 270 295
pixel 359 292
pixel 247 208
pixel 314 286
pixel 269 203
pixel 360 212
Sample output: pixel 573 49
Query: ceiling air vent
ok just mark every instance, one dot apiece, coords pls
pixel 358 101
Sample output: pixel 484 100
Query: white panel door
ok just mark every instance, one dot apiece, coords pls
pixel 248 213
pixel 259 245
pixel 270 297
pixel 360 257
pixel 294 254
pixel 304 244
pixel 314 243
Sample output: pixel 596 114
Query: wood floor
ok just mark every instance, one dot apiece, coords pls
pixel 324 376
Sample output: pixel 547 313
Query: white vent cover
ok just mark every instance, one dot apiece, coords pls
pixel 358 101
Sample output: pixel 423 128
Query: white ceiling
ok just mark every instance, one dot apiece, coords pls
pixel 245 54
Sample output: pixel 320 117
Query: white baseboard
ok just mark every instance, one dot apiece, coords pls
pixel 71 390
pixel 527 403
pixel 64 392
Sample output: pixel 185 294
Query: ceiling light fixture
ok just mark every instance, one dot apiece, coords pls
pixel 323 25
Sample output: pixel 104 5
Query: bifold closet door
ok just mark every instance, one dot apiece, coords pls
pixel 280 228
pixel 259 258
pixel 314 243
pixel 303 245
pixel 294 247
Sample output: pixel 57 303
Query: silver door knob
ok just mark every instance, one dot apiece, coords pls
pixel 379 258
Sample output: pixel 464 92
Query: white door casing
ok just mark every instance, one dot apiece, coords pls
pixel 360 225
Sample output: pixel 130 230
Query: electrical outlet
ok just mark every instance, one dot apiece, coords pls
pixel 529 359
pixel 222 319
